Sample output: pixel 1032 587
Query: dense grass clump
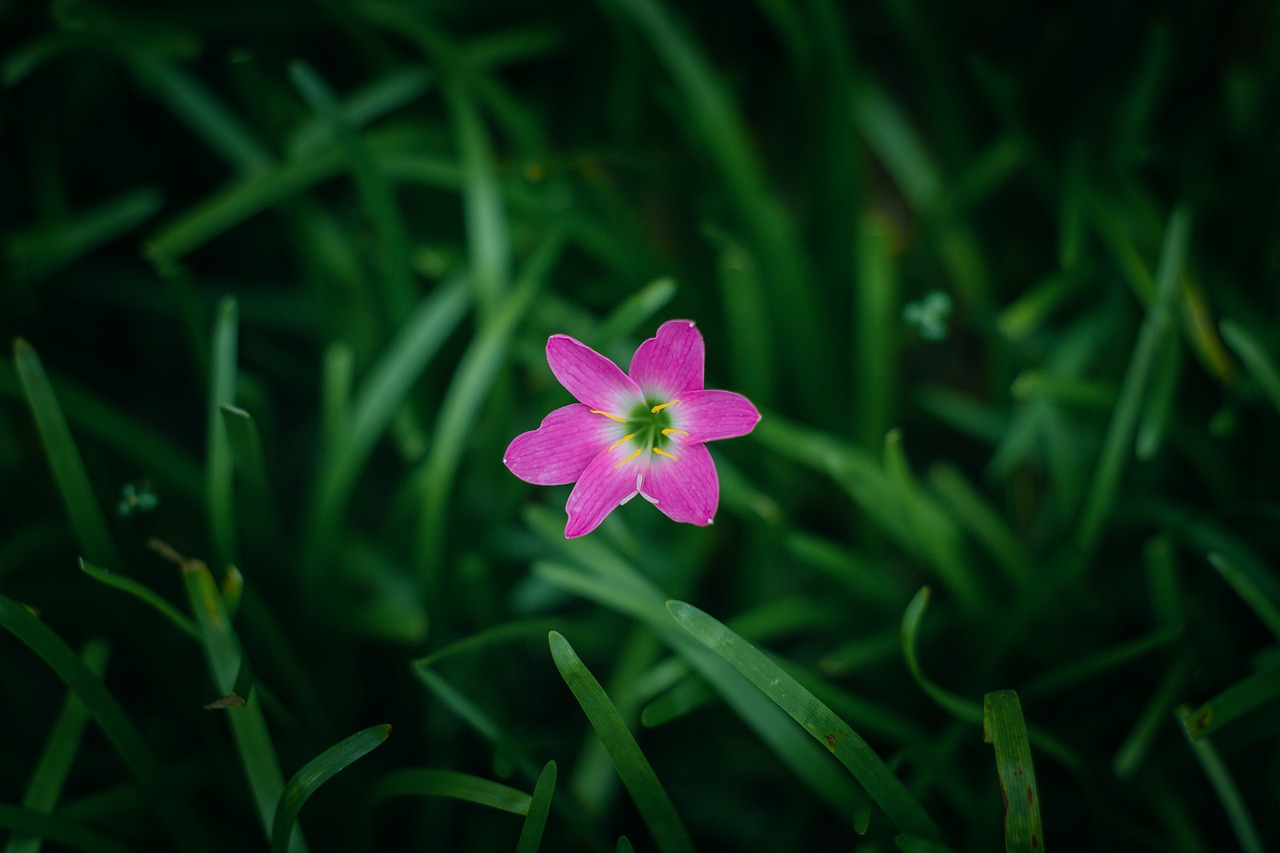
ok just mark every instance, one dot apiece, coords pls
pixel 999 564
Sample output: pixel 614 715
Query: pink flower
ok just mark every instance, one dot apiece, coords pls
pixel 639 434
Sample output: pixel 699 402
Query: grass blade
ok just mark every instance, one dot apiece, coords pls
pixel 86 516
pixel 637 775
pixel 1234 702
pixel 419 782
pixel 816 718
pixel 876 361
pixel 33 825
pixel 219 468
pixel 36 254
pixel 59 752
pixel 315 773
pixel 1255 358
pixel 1255 586
pixel 145 594
pixel 539 807
pixel 1004 728
pixel 111 718
pixel 1224 786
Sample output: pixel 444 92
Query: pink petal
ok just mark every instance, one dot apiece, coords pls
pixel 560 449
pixel 685 488
pixel 607 483
pixel 671 362
pixel 591 378
pixel 712 415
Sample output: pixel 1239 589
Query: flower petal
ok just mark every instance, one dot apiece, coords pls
pixel 609 481
pixel 557 452
pixel 590 377
pixel 685 488
pixel 712 415
pixel 670 363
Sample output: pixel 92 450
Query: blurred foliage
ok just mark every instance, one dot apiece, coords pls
pixel 1002 278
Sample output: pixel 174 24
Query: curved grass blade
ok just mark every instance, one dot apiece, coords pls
pixel 816 718
pixel 624 845
pixel 505 633
pixel 1004 728
pixel 144 594
pixel 539 807
pixel 418 782
pixel 635 310
pixel 86 516
pixel 33 825
pixel 1255 586
pixel 219 470
pixel 1234 702
pixel 315 773
pixel 59 752
pixel 111 718
pixel 1225 787
pixel 1255 358
pixel 959 707
pixel 637 775
pixel 36 254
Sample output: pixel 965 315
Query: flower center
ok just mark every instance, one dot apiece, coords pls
pixel 648 426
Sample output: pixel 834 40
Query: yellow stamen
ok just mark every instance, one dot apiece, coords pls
pixel 621 440
pixel 662 452
pixel 659 408
pixel 669 431
pixel 628 459
pixel 611 417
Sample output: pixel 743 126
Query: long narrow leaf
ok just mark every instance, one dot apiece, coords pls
pixel 539 807
pixel 219 472
pixel 1237 700
pixel 1004 728
pixel 145 594
pixel 420 782
pixel 1233 803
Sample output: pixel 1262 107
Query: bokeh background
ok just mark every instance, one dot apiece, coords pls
pixel 276 281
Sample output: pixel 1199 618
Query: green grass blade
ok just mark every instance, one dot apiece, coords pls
pixel 1137 744
pixel 624 845
pixel 637 775
pixel 1224 786
pixel 417 782
pixel 246 447
pixel 127 739
pixel 539 807
pixel 816 718
pixel 36 254
pixel 875 325
pixel 146 595
pixel 968 507
pixel 1004 728
pixel 1158 325
pixel 1255 586
pixel 488 243
pixel 86 516
pixel 635 311
pixel 915 844
pixel 33 825
pixel 315 773
pixel 219 468
pixel 506 632
pixel 1234 702
pixel 466 710
pixel 963 709
pixel 50 774
pixel 1095 664
pixel 379 98
pixel 1255 358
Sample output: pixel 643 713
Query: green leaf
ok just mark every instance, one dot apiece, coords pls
pixel 1224 786
pixel 32 825
pixel 145 594
pixel 315 773
pixel 1255 358
pixel 1234 702
pixel 86 516
pixel 633 768
pixel 963 709
pixel 1255 586
pixel 915 844
pixel 127 739
pixel 420 782
pixel 1004 728
pixel 539 807
pixel 219 468
pixel 41 252
pixel 816 718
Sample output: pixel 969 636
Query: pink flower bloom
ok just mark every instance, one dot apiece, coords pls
pixel 639 434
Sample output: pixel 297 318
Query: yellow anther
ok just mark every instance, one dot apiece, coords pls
pixel 611 417
pixel 662 452
pixel 621 440
pixel 669 431
pixel 628 459
pixel 659 408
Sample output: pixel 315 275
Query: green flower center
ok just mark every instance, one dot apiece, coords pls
pixel 648 425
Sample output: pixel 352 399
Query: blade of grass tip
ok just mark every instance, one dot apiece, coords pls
pixel 634 311
pixel 471 714
pixel 376 196
pixel 35 827
pixel 815 717
pixel 223 652
pixel 1004 728
pixel 54 764
pixel 1137 743
pixel 420 782
pixel 249 460
pixel 915 844
pixel 1159 323
pixel 315 773
pixel 1224 786
pixel 86 516
pixel 507 632
pixel 875 323
pixel 351 437
pixel 120 730
pixel 637 775
pixel 539 807
pixel 1157 412
pixel 1255 586
pixel 488 243
pixel 144 594
pixel 624 845
pixel 962 709
pixel 1255 358
pixel 466 395
pixel 219 469
pixel 1234 702
pixel 40 252
pixel 195 106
